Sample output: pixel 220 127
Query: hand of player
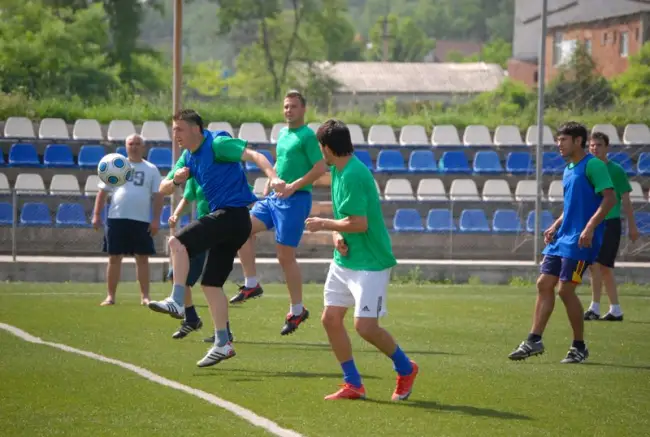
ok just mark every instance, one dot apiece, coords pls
pixel 314 224
pixel 586 238
pixel 340 244
pixel 96 221
pixel 288 191
pixel 549 234
pixel 153 227
pixel 173 219
pixel 181 175
pixel 278 185
pixel 633 234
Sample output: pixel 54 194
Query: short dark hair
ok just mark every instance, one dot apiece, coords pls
pixel 574 130
pixel 295 94
pixel 335 135
pixel 601 136
pixel 190 116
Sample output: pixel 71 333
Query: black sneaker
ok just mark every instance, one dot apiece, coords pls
pixel 612 318
pixel 527 349
pixel 186 328
pixel 575 356
pixel 246 293
pixel 212 339
pixel 292 322
pixel 591 315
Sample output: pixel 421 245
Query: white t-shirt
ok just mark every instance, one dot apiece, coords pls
pixel 133 200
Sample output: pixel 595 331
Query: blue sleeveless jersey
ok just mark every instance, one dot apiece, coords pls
pixel 580 203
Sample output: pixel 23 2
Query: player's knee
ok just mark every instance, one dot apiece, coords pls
pixel 286 255
pixel 175 245
pixel 567 290
pixel 366 327
pixel 330 320
pixel 115 259
pixel 545 286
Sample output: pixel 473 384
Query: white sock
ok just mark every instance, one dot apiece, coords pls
pixel 296 309
pixel 250 282
pixel 615 310
pixel 595 307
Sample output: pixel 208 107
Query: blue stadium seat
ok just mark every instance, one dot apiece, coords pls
pixel 643 164
pixel 161 157
pixel 23 155
pixel 506 221
pixel 553 163
pixel 35 214
pixel 454 162
pixel 407 220
pixel 547 221
pixel 89 156
pixel 519 163
pixel 364 157
pixel 624 160
pixel 642 219
pixel 6 214
pixel 59 156
pixel 2 159
pixel 487 162
pixel 422 161
pixel 71 215
pixel 166 213
pixel 390 161
pixel 121 150
pixel 473 221
pixel 440 220
pixel 251 166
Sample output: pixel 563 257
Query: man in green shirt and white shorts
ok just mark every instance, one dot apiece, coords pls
pixel 360 272
pixel 602 271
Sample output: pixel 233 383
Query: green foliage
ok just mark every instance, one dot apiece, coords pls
pixel 406 41
pixel 497 51
pixel 634 84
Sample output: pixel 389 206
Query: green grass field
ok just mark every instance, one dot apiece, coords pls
pixel 459 335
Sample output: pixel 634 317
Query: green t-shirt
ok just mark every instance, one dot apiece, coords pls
pixel 296 153
pixel 621 186
pixel 194 193
pixel 354 194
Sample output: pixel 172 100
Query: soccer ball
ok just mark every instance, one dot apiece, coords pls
pixel 114 170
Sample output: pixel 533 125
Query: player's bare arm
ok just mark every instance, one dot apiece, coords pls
pixel 158 200
pixel 263 163
pixel 608 202
pixel 167 186
pixel 312 176
pixel 100 203
pixel 339 243
pixel 549 234
pixel 350 225
pixel 633 231
pixel 173 219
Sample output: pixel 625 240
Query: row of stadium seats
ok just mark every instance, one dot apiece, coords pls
pixel 396 189
pixel 388 161
pixel 411 135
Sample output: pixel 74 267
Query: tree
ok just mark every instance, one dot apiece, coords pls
pixel 496 52
pixel 634 83
pixel 406 41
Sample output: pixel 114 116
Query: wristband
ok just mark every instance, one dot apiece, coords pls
pixel 174 182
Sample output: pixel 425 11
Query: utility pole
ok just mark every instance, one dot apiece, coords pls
pixel 385 35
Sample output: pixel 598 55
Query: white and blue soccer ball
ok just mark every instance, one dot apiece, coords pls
pixel 114 170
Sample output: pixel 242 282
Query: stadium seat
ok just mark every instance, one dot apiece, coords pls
pixel 464 190
pixel 477 135
pixel 473 221
pixel 221 125
pixel 398 189
pixel 407 220
pixel 610 131
pixel 390 161
pixel 275 131
pixel 120 130
pixel 440 220
pixel 2 159
pixel 413 135
pixel 642 219
pixel 546 221
pixel 31 184
pixel 505 136
pixel 519 163
pixel 19 128
pixel 161 157
pixel 454 162
pixel 23 155
pixel 87 130
pixel 35 214
pixel 121 150
pixel 381 135
pixel 251 166
pixel 155 132
pixel 71 215
pixel 624 160
pixel 496 190
pixel 526 191
pixel 643 164
pixel 89 156
pixel 364 157
pixel 53 129
pixel 6 214
pixel 445 135
pixel 259 185
pixel 506 221
pixel 531 136
pixel 422 161
pixel 431 190
pixel 356 133
pixel 5 188
pixel 254 133
pixel 636 135
pixel 552 163
pixel 58 156
pixel 637 195
pixel 556 192
pixel 91 187
pixel 64 185
pixel 167 212
pixel 487 162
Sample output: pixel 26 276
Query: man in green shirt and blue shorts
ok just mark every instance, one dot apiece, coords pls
pixel 360 272
pixel 602 271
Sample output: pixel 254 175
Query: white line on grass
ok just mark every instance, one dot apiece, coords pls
pixel 245 414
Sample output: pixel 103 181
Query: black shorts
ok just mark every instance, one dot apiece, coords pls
pixel 223 233
pixel 611 243
pixel 128 237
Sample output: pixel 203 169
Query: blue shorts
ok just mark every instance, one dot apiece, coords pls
pixel 287 216
pixel 196 269
pixel 568 270
pixel 128 237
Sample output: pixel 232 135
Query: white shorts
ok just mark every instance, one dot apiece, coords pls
pixel 365 290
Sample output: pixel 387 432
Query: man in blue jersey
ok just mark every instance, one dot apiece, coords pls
pixel 573 242
pixel 215 164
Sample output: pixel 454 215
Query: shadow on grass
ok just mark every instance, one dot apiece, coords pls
pixel 250 374
pixel 464 409
pixel 618 366
pixel 326 347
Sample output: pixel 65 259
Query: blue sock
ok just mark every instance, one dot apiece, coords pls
pixel 190 315
pixel 351 374
pixel 221 337
pixel 178 294
pixel 402 364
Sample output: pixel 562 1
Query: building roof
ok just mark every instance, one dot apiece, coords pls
pixel 568 12
pixel 444 47
pixel 412 77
